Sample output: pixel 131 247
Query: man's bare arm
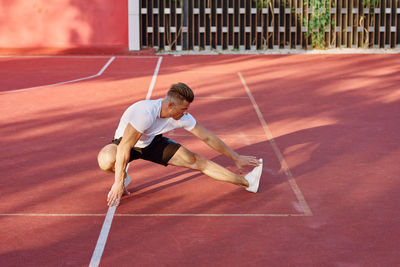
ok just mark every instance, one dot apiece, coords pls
pixel 129 139
pixel 217 144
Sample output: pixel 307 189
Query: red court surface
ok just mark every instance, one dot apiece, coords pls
pixel 327 127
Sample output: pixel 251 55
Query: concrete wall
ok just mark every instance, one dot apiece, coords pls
pixel 64 25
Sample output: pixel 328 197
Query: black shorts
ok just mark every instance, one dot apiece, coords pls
pixel 160 150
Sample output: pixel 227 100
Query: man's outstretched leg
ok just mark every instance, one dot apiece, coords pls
pixel 188 159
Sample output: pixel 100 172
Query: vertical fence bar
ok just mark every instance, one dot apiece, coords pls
pixel 297 25
pixel 225 25
pixel 191 33
pixel 264 26
pixel 387 12
pixel 151 23
pixel 382 25
pixel 300 23
pixel 203 24
pixel 259 26
pixel 193 25
pixel 175 29
pixel 353 23
pixel 236 25
pixel 259 29
pixel 328 29
pixel 167 25
pixel 161 26
pixel 156 32
pixel 371 26
pixel 397 24
pixel 277 24
pixel 350 31
pixel 213 25
pixel 253 25
pixel 172 25
pixel 149 29
pixel 143 24
pixel 230 25
pixel 344 24
pixel 359 24
pixel 308 12
pixel 375 24
pixel 268 25
pixel 393 24
pixel 207 19
pixel 304 25
pixel 332 26
pixel 197 26
pixel 300 13
pixel 241 25
pixel 219 25
pixel 292 24
pixel 179 25
pixel 345 12
pixel 287 24
pixel 281 24
pixel 388 24
pixel 206 25
pixel 247 17
pixel 338 24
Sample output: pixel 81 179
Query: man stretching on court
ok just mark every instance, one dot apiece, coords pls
pixel 139 135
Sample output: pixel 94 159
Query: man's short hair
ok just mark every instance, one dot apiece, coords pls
pixel 181 92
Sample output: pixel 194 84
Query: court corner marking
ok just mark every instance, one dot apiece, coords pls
pixel 99 73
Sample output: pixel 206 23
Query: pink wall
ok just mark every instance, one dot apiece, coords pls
pixel 63 24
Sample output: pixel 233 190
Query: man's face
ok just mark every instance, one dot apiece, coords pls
pixel 178 110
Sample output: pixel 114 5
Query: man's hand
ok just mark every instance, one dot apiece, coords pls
pixel 242 161
pixel 115 194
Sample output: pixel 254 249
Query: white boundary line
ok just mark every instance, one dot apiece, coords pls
pixel 151 215
pixel 101 242
pixel 153 80
pixel 284 165
pixel 60 83
pixel 221 97
pixel 76 56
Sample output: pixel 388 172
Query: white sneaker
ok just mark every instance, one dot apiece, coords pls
pixel 253 177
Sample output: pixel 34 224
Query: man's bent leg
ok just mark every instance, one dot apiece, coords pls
pixel 188 159
pixel 106 157
pixel 106 160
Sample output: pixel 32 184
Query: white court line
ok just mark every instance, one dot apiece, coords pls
pixel 151 215
pixel 101 242
pixel 226 135
pixel 208 215
pixel 284 165
pixel 153 80
pixel 60 83
pixel 221 97
pixel 77 56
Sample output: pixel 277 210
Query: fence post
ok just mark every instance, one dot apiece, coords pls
pixel 133 25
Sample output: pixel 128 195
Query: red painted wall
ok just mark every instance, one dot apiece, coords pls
pixel 63 24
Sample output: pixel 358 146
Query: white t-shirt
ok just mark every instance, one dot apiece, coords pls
pixel 144 116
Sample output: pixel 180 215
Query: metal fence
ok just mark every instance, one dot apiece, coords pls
pixel 268 24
